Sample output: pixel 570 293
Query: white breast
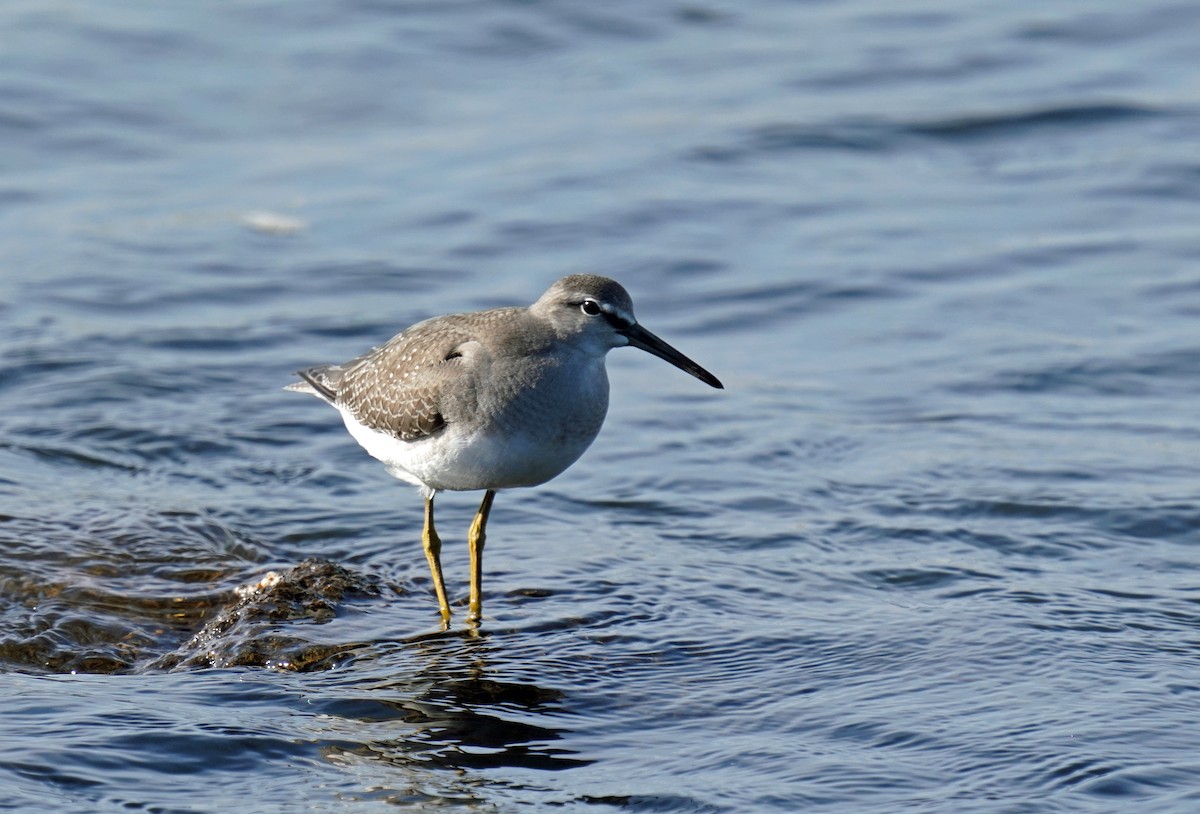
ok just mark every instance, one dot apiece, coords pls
pixel 522 439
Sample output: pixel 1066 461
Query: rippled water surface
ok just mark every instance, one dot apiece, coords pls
pixel 932 550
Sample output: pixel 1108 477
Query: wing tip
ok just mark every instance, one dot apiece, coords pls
pixel 313 383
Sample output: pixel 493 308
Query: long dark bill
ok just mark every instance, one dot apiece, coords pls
pixel 639 337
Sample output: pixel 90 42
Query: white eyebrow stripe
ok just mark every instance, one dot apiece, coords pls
pixel 619 313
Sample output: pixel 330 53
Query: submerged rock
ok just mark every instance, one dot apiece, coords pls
pixel 265 624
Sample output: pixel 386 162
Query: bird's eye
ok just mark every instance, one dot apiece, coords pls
pixel 590 307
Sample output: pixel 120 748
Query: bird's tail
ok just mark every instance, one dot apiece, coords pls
pixel 322 381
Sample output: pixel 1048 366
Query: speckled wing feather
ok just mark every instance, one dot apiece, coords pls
pixel 397 388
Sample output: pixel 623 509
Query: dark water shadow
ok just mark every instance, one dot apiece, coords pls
pixel 459 709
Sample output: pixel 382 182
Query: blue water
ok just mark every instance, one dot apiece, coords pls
pixel 932 550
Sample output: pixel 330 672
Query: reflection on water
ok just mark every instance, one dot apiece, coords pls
pixel 458 713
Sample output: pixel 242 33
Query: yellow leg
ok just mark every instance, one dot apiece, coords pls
pixel 475 540
pixel 433 553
